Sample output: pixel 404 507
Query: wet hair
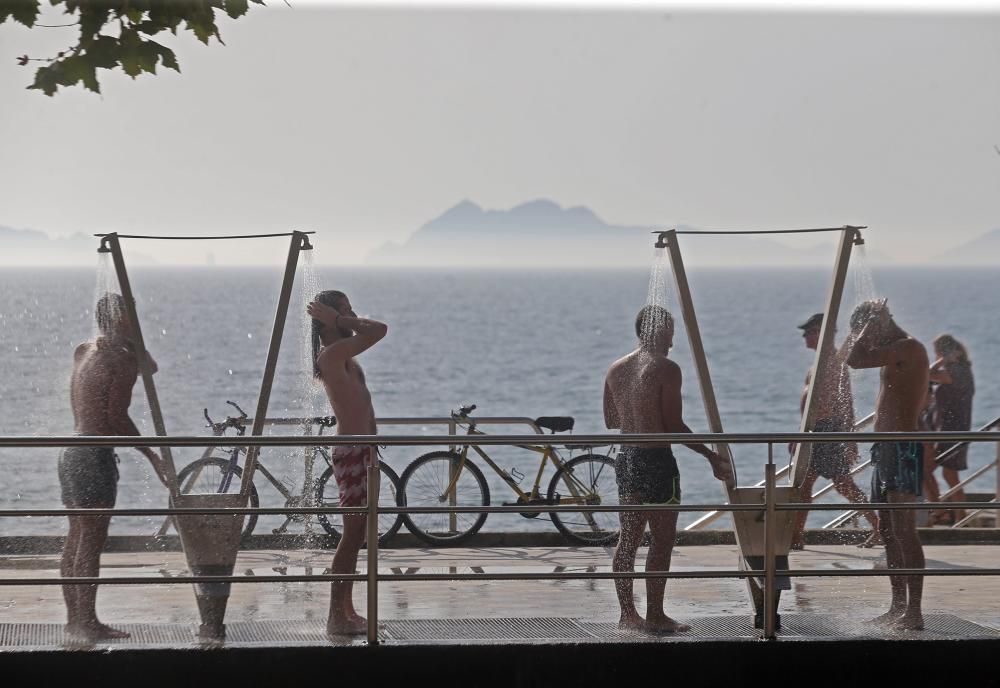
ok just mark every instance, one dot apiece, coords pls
pixel 650 319
pixel 862 314
pixel 108 311
pixel 947 344
pixel 330 297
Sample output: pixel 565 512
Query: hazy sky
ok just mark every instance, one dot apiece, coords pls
pixel 364 124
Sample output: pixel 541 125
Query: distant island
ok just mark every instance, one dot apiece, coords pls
pixel 537 234
pixel 983 250
pixel 541 233
pixel 29 247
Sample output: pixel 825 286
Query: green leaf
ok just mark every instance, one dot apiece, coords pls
pixel 89 78
pixel 202 29
pixel 22 11
pixel 150 28
pixel 72 70
pixel 236 8
pixel 149 55
pixel 168 59
pixel 130 63
pixel 103 52
pixel 46 80
pixel 93 17
pixel 134 15
pixel 129 39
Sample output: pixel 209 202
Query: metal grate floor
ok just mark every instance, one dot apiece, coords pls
pixel 28 637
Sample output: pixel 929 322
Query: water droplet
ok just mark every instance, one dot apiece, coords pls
pixel 163 332
pixel 230 371
pixel 249 336
pixel 17 348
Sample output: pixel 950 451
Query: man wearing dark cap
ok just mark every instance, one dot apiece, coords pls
pixel 834 413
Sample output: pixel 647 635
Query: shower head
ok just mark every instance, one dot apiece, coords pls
pixel 661 240
pixel 103 248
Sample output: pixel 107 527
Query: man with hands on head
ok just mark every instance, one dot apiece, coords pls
pixel 876 341
pixel 339 335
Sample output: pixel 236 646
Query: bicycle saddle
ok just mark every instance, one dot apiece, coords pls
pixel 555 423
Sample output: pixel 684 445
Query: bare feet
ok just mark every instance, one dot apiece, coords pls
pixel 95 631
pixel 889 619
pixel 911 621
pixel 351 625
pixel 942 517
pixel 872 540
pixel 631 622
pixel 665 624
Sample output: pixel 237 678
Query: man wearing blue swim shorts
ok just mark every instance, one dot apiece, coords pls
pixel 876 341
pixel 642 394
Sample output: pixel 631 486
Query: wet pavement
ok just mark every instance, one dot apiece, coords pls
pixel 849 601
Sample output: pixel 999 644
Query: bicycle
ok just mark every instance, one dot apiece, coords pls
pixel 220 475
pixel 449 477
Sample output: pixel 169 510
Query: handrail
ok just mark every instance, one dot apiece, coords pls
pixel 651 439
pixel 372 510
pixel 713 516
pixel 848 515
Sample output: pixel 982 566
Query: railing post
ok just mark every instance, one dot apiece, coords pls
pixel 769 533
pixel 372 545
pixel 309 493
pixel 996 493
pixel 452 492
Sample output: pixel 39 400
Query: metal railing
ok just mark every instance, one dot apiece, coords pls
pixel 992 425
pixel 712 516
pixel 770 507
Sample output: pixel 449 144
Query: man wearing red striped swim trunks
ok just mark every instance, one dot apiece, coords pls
pixel 338 336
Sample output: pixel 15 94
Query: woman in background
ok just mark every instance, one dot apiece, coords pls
pixel 952 371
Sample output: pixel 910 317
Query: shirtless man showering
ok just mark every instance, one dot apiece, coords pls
pixel 338 336
pixel 876 341
pixel 104 372
pixel 642 394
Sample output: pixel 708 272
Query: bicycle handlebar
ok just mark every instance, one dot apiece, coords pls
pixel 464 411
pixel 243 414
pixel 238 422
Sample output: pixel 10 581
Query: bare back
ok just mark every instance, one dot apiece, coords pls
pixel 902 387
pixel 99 366
pixel 637 389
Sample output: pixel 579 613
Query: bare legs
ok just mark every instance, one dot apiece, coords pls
pixel 952 478
pixel 845 485
pixel 662 529
pixel 82 559
pixel 902 550
pixel 344 620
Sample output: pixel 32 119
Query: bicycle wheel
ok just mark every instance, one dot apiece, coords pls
pixel 590 480
pixel 206 476
pixel 389 494
pixel 425 483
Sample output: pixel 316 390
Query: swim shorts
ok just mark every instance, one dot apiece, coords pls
pixel 896 467
pixel 647 475
pixel 350 469
pixel 88 477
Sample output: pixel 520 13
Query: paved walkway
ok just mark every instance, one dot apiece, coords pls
pixel 975 599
